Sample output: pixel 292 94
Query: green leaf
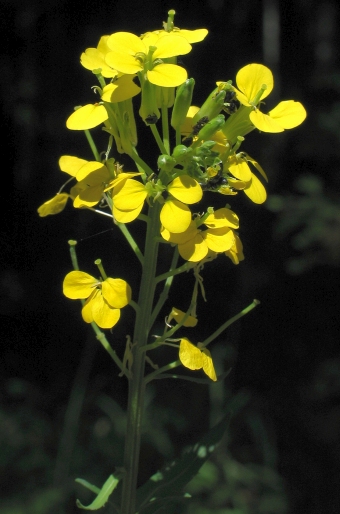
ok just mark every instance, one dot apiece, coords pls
pixel 167 485
pixel 102 494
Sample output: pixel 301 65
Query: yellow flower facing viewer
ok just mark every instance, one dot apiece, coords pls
pixel 104 299
pixel 131 54
pixel 254 83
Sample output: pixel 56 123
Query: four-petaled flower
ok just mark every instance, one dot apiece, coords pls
pixel 131 54
pixel 104 298
pixel 254 83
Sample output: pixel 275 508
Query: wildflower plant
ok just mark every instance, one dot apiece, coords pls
pixel 199 158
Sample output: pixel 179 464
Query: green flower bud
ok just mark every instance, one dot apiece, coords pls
pixel 149 111
pixel 182 154
pixel 166 163
pixel 182 103
pixel 211 107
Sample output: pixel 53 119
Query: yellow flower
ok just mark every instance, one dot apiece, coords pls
pixel 255 82
pixel 244 179
pixel 130 54
pixel 193 357
pixel 236 251
pixel 94 59
pixel 178 315
pixel 194 244
pixel 92 177
pixel 104 299
pixel 129 195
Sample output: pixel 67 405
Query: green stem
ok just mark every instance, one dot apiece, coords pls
pixel 164 295
pixel 165 129
pixel 229 322
pixel 158 139
pixel 167 367
pixel 137 384
pixel 92 145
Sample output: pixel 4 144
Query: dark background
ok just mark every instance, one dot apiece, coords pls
pixel 282 454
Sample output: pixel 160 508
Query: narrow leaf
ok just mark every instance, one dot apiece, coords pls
pixel 102 495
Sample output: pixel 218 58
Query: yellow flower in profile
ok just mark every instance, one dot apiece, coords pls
pixel 235 253
pixel 131 54
pixel 193 357
pixel 94 59
pixel 54 205
pixel 92 177
pixel 104 298
pixel 245 180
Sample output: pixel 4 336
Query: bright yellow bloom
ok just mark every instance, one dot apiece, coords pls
pixel 193 357
pixel 131 55
pixel 121 89
pixel 94 59
pixel 194 244
pixel 104 299
pixel 129 195
pixel 255 82
pixel 54 205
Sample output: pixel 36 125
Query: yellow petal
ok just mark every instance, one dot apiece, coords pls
pixel 208 365
pixel 120 90
pixel 126 42
pixel 222 218
pixel 130 196
pixel 167 75
pixel 194 250
pixel 87 117
pixel 116 292
pixel 256 191
pixel 185 189
pixel 78 284
pixel 175 216
pixel 193 36
pixel 104 315
pixel 70 164
pixel 178 315
pixel 288 114
pixel 189 355
pixel 240 170
pixel 88 197
pixel 219 239
pixel 128 215
pixel 250 79
pixel 264 122
pixel 89 167
pixel 53 206
pixel 169 45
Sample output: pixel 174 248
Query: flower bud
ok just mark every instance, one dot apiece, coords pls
pixel 166 163
pixel 210 128
pixel 148 109
pixel 182 103
pixel 182 154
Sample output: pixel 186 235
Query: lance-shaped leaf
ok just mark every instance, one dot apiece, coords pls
pixel 167 485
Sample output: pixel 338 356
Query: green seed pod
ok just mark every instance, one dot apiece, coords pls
pixel 210 128
pixel 211 107
pixel 149 111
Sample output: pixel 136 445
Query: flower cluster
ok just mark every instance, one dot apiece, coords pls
pixel 201 158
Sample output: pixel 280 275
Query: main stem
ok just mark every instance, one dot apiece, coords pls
pixel 136 383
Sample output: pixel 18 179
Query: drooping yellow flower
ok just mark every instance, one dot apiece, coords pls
pixel 194 244
pixel 193 357
pixel 236 251
pixel 104 299
pixel 245 180
pixel 130 54
pixel 178 315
